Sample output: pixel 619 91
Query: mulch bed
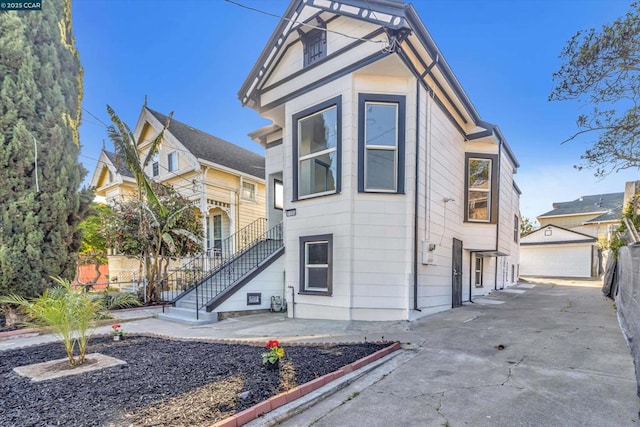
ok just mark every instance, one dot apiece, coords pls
pixel 165 382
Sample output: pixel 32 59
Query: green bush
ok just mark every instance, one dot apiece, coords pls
pixel 115 300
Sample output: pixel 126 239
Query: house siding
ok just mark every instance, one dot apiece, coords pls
pixel 269 283
pixel 373 234
pixel 215 189
pixel 292 60
pixel 318 72
pixel 567 221
pixel 442 176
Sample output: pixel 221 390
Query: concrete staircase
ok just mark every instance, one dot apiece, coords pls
pixel 198 303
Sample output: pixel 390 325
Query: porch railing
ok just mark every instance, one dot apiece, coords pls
pixel 198 268
pixel 235 268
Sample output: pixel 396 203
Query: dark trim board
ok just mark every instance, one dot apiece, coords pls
pixel 429 73
pixel 329 78
pixel 337 102
pixel 303 240
pixel 400 101
pixel 274 143
pixel 318 63
pixel 563 242
pixel 494 212
pixel 430 92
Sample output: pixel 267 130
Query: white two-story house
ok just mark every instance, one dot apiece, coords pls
pixel 397 199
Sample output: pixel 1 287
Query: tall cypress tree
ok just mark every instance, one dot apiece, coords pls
pixel 40 199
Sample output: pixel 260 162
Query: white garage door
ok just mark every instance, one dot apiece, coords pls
pixel 556 261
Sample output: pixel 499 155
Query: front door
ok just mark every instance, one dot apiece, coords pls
pixel 456 274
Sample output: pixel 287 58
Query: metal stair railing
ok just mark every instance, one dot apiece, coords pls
pixel 196 269
pixel 236 267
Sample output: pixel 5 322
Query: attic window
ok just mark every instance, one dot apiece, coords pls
pixel 172 161
pixel 155 167
pixel 314 44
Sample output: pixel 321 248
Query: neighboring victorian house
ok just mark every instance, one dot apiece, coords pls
pixel 225 180
pixel 397 199
pixel 566 244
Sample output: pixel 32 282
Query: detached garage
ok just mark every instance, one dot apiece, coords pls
pixel 554 251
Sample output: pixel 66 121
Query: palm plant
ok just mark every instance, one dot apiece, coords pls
pixel 117 300
pixel 127 147
pixel 69 311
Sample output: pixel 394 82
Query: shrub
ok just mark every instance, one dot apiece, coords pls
pixel 70 312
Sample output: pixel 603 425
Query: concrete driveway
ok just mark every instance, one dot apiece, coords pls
pixel 545 353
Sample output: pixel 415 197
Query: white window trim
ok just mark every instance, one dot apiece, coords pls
pixel 368 147
pixel 172 165
pixel 315 154
pixel 305 241
pixel 308 266
pixel 242 190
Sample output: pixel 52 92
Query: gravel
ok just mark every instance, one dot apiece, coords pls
pixel 165 382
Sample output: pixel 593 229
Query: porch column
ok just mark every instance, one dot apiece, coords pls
pixel 233 207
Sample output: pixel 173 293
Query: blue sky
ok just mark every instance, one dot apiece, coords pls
pixel 192 56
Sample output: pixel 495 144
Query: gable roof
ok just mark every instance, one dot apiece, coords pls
pixel 213 149
pixel 397 19
pixel 391 14
pixel 121 167
pixel 608 205
pixel 567 236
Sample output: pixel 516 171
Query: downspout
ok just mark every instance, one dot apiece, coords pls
pixel 471 272
pixel 495 281
pixel 293 302
pixel 415 201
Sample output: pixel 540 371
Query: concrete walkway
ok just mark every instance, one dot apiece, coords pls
pixel 542 353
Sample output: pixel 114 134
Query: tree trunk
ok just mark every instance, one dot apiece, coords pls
pixel 11 317
pixel 96 266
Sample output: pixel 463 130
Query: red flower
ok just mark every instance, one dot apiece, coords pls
pixel 272 343
pixel 115 326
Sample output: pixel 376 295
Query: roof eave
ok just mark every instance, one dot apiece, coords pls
pixel 427 41
pixel 211 164
pixel 242 93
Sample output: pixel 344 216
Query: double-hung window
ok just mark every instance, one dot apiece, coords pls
pixel 155 167
pixel 381 143
pixel 248 190
pixel 278 194
pixel 172 161
pixel 316 259
pixel 481 179
pixel 316 150
pixel 478 271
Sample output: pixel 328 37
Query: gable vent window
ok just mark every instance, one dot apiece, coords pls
pixel 314 44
